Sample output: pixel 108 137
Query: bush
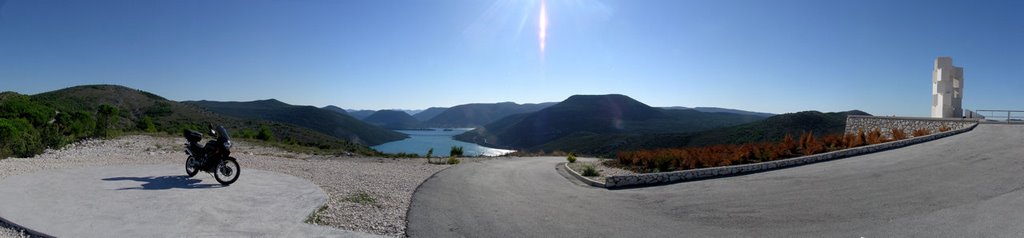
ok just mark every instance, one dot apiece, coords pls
pixel 430 153
pixel 921 132
pixel 668 159
pixel 361 198
pixel 265 134
pixel 571 158
pixel 245 133
pixel 77 124
pixel 146 124
pixel 854 140
pixel 833 142
pixel 453 160
pixel 898 134
pixel 944 128
pixel 106 118
pixel 590 171
pixel 22 107
pixel 19 138
pixel 809 144
pixel 875 137
pixel 787 146
pixel 456 151
pixel 51 137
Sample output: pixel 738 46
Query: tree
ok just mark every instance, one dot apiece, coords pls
pixel 456 151
pixel 18 138
pixel 265 133
pixel 146 124
pixel 105 120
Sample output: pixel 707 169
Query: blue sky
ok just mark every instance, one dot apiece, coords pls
pixel 771 56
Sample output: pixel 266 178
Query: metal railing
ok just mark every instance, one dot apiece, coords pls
pixel 1007 116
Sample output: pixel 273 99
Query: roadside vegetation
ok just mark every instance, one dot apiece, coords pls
pixel 590 171
pixel 28 127
pixel 671 159
pixel 361 197
pixel 31 124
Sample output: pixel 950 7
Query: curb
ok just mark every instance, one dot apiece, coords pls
pixel 586 180
pixel 27 230
pixel 652 179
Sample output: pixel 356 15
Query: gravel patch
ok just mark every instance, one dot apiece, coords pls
pixel 603 170
pixel 7 230
pixel 388 183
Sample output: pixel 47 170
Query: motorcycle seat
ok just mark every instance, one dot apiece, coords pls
pixel 193 136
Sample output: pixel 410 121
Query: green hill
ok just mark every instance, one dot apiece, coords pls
pixel 584 116
pixel 59 117
pixel 726 110
pixel 430 113
pixel 334 108
pixel 479 114
pixel 317 119
pixel 395 120
pixel 776 127
pixel 360 114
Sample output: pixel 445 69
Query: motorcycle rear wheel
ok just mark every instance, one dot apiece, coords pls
pixel 227 172
pixel 191 168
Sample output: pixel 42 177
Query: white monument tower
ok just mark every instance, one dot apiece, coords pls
pixel 947 89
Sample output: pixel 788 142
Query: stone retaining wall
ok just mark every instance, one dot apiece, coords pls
pixel 696 174
pixel 907 124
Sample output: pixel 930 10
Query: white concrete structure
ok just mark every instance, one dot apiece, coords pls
pixel 947 89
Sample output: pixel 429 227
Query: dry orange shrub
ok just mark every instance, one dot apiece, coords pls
pixel 898 134
pixel 921 132
pixel 875 137
pixel 724 155
pixel 943 128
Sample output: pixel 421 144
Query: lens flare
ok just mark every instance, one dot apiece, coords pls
pixel 542 27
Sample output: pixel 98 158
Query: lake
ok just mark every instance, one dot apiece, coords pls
pixel 420 141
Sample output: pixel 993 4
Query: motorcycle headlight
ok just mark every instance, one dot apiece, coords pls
pixel 227 145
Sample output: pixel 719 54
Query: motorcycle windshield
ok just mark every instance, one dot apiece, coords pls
pixel 222 134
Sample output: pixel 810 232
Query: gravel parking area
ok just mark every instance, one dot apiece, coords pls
pixel 366 194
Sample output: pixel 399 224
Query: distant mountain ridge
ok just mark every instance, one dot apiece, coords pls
pixel 322 120
pixel 360 114
pixel 429 113
pixel 479 114
pixel 334 108
pixel 719 109
pixel 595 115
pixel 395 120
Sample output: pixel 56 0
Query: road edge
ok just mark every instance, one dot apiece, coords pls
pixel 582 178
pixel 664 178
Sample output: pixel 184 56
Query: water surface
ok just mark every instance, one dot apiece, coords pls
pixel 420 141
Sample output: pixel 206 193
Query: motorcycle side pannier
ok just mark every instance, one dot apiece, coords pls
pixel 193 136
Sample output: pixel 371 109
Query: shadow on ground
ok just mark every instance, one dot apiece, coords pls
pixel 163 182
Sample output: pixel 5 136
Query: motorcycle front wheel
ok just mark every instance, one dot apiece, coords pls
pixel 191 167
pixel 227 172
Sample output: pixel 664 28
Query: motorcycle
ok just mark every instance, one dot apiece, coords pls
pixel 214 157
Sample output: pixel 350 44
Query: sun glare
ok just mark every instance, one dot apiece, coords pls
pixel 542 27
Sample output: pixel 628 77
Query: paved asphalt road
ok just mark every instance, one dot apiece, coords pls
pixel 968 185
pixel 159 201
